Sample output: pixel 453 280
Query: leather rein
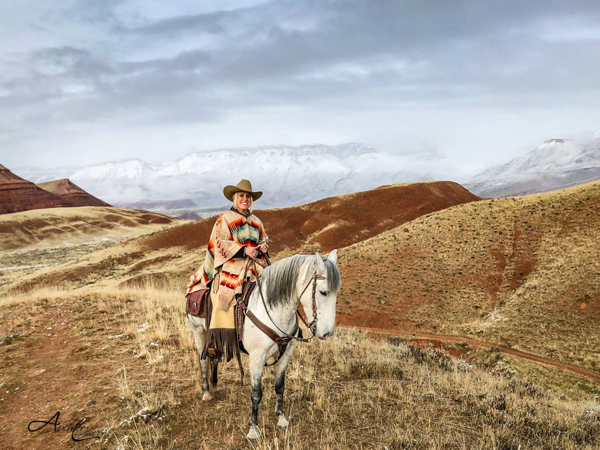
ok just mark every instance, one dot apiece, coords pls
pixel 283 341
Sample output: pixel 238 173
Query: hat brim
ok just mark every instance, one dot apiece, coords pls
pixel 228 191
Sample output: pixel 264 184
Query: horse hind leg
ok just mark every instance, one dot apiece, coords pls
pixel 206 396
pixel 214 368
pixel 199 332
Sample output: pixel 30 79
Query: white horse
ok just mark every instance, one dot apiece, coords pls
pixel 310 280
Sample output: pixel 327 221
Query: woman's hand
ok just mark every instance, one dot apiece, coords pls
pixel 192 281
pixel 263 248
pixel 251 252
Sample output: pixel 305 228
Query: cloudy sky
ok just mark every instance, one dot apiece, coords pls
pixel 87 81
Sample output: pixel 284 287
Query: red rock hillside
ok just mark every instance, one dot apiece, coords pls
pixel 17 194
pixel 72 193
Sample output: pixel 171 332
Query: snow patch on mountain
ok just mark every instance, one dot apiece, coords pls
pixel 288 175
pixel 555 164
pixel 133 169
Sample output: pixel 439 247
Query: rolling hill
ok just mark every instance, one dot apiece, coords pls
pixel 49 237
pixel 69 191
pixel 323 225
pixel 521 272
pixel 17 194
pixel 59 226
pixel 423 257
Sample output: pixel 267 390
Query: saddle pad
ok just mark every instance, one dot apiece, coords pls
pixel 195 304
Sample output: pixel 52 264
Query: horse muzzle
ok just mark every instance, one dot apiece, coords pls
pixel 326 335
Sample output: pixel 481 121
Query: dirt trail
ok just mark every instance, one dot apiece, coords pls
pixel 48 372
pixel 475 343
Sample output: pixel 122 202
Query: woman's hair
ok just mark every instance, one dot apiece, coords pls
pixel 250 208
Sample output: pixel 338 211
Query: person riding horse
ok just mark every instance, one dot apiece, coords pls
pixel 237 235
pixel 272 325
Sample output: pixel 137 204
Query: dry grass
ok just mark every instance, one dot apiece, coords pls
pixel 522 272
pixel 33 243
pixel 135 350
pixel 180 249
pixel 512 271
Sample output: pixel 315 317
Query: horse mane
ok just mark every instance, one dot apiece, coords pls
pixel 280 279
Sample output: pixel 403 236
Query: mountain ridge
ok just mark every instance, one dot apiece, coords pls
pixel 555 164
pixel 289 175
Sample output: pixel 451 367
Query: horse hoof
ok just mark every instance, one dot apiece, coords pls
pixel 282 422
pixel 207 397
pixel 253 435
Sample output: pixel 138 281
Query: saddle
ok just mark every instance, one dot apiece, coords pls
pixel 199 304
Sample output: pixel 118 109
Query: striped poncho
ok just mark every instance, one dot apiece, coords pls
pixel 225 261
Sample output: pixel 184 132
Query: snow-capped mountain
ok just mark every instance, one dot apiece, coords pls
pixel 133 169
pixel 288 175
pixel 556 164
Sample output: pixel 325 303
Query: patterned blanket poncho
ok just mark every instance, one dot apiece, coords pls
pixel 224 259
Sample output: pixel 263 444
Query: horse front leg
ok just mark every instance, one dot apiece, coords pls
pixel 257 363
pixel 280 369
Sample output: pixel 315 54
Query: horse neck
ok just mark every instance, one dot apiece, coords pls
pixel 284 313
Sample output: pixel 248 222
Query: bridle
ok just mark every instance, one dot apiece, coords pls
pixel 312 326
pixel 283 341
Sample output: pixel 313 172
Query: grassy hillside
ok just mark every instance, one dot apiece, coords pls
pixel 71 225
pixel 323 225
pixel 124 360
pixel 86 339
pixel 49 237
pixel 523 272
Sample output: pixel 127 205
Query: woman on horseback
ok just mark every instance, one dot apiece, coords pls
pixel 236 238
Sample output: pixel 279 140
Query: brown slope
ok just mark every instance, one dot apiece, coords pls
pixel 56 226
pixel 523 271
pixel 333 222
pixel 51 237
pixel 69 191
pixel 323 225
pixel 17 194
pixel 72 193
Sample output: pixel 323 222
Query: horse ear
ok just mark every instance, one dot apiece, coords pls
pixel 333 256
pixel 319 264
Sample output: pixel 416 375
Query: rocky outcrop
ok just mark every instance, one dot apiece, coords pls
pixel 72 193
pixel 17 194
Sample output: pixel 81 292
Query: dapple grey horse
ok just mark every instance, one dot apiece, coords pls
pixel 283 287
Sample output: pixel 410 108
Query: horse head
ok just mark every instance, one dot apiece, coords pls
pixel 319 300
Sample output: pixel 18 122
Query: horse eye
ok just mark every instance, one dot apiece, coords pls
pixel 323 292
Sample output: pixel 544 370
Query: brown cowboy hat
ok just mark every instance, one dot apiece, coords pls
pixel 242 186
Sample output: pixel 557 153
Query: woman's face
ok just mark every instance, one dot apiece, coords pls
pixel 242 201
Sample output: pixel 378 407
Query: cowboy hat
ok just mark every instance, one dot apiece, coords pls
pixel 242 186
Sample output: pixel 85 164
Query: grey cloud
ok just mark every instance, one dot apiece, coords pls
pixel 184 61
pixel 318 55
